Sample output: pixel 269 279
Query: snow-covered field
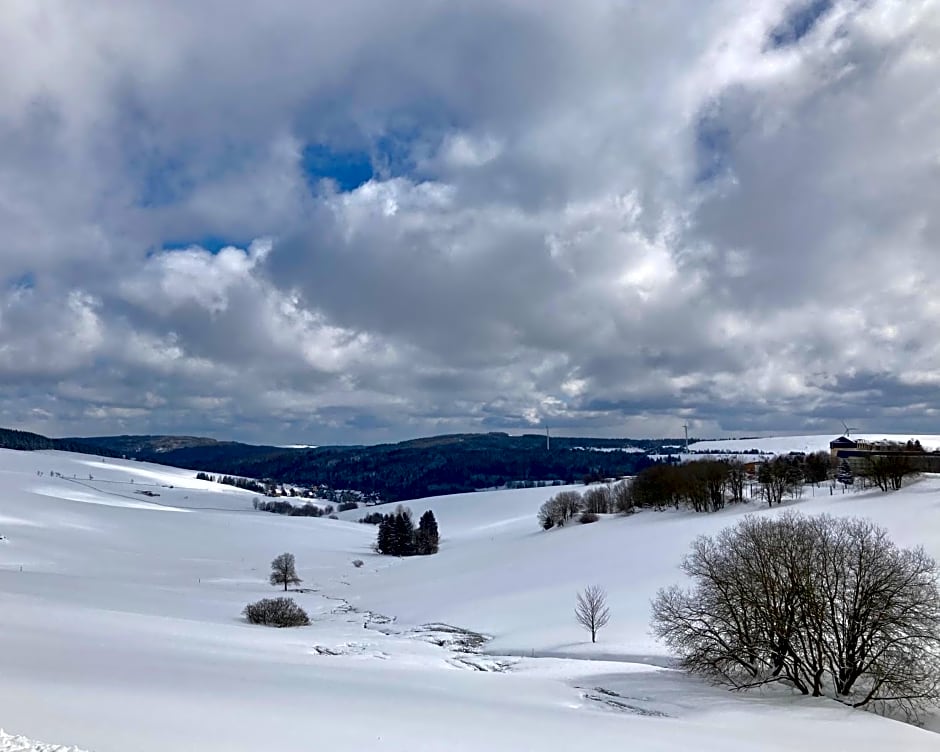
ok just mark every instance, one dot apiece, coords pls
pixel 812 443
pixel 120 626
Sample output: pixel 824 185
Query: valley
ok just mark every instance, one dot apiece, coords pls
pixel 121 627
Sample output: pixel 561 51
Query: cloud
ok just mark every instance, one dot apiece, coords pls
pixel 610 218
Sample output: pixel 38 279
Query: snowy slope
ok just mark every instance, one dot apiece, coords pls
pixel 812 443
pixel 504 576
pixel 120 627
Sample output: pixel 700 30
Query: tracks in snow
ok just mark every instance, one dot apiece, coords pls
pixel 463 645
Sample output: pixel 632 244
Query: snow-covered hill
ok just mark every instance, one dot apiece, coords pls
pixel 120 628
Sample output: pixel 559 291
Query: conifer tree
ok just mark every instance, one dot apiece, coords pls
pixel 383 540
pixel 404 532
pixel 428 537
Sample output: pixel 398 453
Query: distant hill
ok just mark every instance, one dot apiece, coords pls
pixel 31 442
pixel 411 469
pixel 196 452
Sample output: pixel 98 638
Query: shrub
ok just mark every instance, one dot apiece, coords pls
pixel 587 518
pixel 276 612
pixel 346 506
pixel 546 515
pixel 357 563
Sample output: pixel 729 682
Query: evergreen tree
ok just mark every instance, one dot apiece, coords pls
pixel 383 541
pixel 404 533
pixel 846 477
pixel 428 537
pixel 397 535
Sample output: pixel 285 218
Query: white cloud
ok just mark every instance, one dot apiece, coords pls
pixel 610 215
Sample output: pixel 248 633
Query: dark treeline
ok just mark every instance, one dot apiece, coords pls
pixel 410 469
pixel 458 464
pixel 293 510
pixel 373 518
pixel 32 442
pixel 706 485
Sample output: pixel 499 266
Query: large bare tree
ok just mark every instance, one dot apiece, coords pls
pixel 827 605
pixel 591 610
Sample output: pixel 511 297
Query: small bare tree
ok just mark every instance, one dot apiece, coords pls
pixel 284 572
pixel 736 478
pixel 591 610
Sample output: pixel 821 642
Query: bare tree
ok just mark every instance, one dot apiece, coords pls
pixel 568 504
pixel 597 500
pixel 622 495
pixel 779 477
pixel 559 509
pixel 829 606
pixel 284 572
pixel 736 478
pixel 591 610
pixel 887 471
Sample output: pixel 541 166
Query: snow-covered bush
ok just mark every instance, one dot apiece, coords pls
pixel 276 612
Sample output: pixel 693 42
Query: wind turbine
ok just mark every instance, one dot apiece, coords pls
pixel 848 429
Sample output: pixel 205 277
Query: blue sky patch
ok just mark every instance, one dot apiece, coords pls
pixel 349 169
pixel 211 243
pixel 798 22
pixel 712 146
pixel 25 281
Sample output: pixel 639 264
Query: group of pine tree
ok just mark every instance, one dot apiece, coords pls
pixel 398 535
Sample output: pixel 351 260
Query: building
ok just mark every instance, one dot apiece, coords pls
pixel 857 451
pixel 842 444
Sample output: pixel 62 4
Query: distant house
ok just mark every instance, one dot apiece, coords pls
pixel 842 444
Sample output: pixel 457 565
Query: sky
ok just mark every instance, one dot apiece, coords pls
pixel 319 222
